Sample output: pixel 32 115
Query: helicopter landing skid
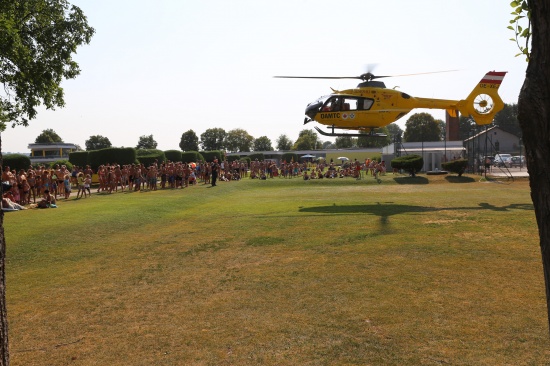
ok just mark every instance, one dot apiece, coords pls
pixel 341 134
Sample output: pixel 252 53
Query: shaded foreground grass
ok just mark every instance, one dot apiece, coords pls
pixel 282 272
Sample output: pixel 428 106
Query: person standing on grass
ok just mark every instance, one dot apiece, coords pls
pixel 67 184
pixel 215 168
pixel 80 180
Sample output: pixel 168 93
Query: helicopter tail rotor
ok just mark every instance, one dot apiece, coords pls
pixel 484 102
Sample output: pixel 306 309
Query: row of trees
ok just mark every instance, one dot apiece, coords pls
pixel 419 127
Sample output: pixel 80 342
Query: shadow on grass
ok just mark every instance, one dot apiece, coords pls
pixel 411 180
pixel 457 179
pixel 384 210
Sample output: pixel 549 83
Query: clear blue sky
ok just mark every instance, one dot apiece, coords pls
pixel 168 66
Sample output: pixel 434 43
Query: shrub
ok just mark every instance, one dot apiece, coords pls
pixel 173 155
pixel 456 166
pixel 191 157
pixel 122 156
pixel 410 163
pixel 17 161
pixel 149 156
pixel 257 156
pixel 288 157
pixel 79 158
pixel 67 164
pixel 232 158
pixel 209 156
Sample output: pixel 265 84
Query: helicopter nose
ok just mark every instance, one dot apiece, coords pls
pixel 312 109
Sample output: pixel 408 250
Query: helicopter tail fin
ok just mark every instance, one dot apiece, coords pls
pixel 484 102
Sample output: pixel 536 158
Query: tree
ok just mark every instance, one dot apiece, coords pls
pixel 345 142
pixel 328 145
pixel 97 142
pixel 307 140
pixel 48 136
pixel 189 141
pixel 284 143
pixel 37 41
pixel 421 127
pixel 372 141
pixel 507 119
pixel 534 119
pixel 213 139
pixel 394 131
pixel 262 143
pixel 146 142
pixel 238 140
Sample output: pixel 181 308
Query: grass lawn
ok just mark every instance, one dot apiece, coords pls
pixel 430 270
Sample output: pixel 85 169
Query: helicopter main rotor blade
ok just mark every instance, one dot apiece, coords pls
pixel 317 77
pixel 418 73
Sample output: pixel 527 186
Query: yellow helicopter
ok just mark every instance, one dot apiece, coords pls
pixel 371 105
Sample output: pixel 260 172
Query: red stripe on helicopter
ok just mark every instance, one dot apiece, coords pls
pixel 493 77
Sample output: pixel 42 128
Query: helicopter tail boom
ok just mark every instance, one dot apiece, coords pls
pixel 484 102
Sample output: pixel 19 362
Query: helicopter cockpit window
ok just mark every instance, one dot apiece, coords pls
pixel 364 104
pixel 336 104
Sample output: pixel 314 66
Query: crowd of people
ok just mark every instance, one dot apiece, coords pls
pixel 42 187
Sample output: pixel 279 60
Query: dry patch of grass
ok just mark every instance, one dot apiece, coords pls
pixel 282 272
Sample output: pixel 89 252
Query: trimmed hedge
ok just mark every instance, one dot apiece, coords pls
pixel 456 166
pixel 122 156
pixel 232 158
pixel 289 157
pixel 209 156
pixel 257 156
pixel 173 155
pixel 149 156
pixel 67 164
pixel 410 163
pixel 191 157
pixel 16 161
pixel 79 158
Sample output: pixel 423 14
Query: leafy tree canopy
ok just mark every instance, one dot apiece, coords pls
pixel 37 41
pixel 238 140
pixel 308 140
pixel 213 139
pixel 284 143
pixel 262 143
pixel 97 142
pixel 48 136
pixel 422 127
pixel 189 141
pixel 146 142
pixel 345 142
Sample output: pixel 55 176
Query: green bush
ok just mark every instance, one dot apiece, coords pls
pixel 456 166
pixel 191 157
pixel 173 155
pixel 232 158
pixel 410 163
pixel 246 159
pixel 149 156
pixel 257 156
pixel 289 157
pixel 122 156
pixel 209 156
pixel 79 158
pixel 67 164
pixel 16 161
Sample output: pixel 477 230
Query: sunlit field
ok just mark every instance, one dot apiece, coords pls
pixel 433 270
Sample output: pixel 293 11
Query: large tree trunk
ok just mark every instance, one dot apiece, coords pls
pixel 4 350
pixel 534 118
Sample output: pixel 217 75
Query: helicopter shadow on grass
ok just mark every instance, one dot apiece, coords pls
pixel 411 180
pixel 457 179
pixel 385 210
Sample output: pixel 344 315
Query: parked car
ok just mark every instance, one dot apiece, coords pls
pixel 517 161
pixel 502 160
